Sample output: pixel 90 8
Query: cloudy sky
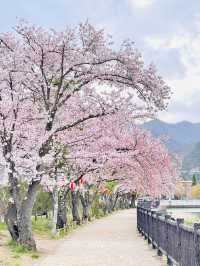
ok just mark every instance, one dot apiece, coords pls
pixel 167 32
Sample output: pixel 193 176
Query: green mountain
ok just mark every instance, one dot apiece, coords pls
pixel 192 159
pixel 183 138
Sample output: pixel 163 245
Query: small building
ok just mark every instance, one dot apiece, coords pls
pixel 183 189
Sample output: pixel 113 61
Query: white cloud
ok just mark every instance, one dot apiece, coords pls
pixel 141 3
pixel 187 45
pixel 185 101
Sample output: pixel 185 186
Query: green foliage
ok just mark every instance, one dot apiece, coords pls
pixel 193 219
pixel 194 180
pixel 56 82
pixel 110 185
pixel 43 202
pixel 70 84
pixel 4 196
pixel 97 213
pixel 196 191
pixel 96 210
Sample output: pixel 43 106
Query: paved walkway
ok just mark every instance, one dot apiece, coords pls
pixel 111 241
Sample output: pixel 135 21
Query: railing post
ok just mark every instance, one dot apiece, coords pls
pixel 153 229
pixel 148 226
pixel 159 252
pixel 196 244
pixel 142 221
pixel 138 219
pixel 167 217
pixel 178 244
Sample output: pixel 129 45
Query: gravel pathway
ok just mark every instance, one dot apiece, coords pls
pixel 111 241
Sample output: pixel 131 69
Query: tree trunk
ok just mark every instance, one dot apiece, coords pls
pixel 133 197
pixel 24 217
pixel 11 221
pixel 11 216
pixel 55 210
pixel 18 217
pixel 109 203
pixel 115 202
pixel 85 201
pixel 25 229
pixel 62 210
pixel 121 203
pixel 105 206
pixel 75 213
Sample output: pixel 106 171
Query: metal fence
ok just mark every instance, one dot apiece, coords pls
pixel 180 243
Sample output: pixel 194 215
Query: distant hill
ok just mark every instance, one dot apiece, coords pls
pixel 183 138
pixel 192 159
pixel 181 135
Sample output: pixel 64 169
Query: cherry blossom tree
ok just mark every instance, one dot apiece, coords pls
pixel 123 152
pixel 58 82
pixel 115 152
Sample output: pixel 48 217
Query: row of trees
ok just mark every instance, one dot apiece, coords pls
pixel 69 108
pixel 81 204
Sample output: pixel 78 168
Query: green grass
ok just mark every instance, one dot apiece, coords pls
pixel 35 255
pixel 15 248
pixel 17 251
pixel 2 226
pixel 11 264
pixel 42 226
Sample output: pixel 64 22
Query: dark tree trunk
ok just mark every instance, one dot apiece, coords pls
pixel 12 211
pixel 11 221
pixel 125 202
pixel 55 210
pixel 109 204
pixel 105 208
pixel 85 201
pixel 75 213
pixel 62 210
pixel 19 213
pixel 121 203
pixel 25 224
pixel 115 201
pixel 25 230
pixel 133 197
pixel 18 219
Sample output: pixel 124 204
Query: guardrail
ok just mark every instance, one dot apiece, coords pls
pixel 180 243
pixel 180 203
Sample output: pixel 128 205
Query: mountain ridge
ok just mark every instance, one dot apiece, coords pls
pixel 180 134
pixel 184 139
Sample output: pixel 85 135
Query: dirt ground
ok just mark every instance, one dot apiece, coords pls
pixel 45 246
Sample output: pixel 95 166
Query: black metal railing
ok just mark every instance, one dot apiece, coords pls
pixel 180 243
